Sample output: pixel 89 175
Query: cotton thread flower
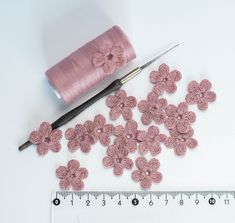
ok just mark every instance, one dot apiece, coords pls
pixel 164 79
pixel 121 104
pixel 153 109
pixel 71 176
pixel 117 159
pixel 181 141
pixel 147 172
pixel 179 117
pixel 109 57
pixel 150 141
pixel 200 94
pixel 127 136
pixel 80 137
pixel 46 139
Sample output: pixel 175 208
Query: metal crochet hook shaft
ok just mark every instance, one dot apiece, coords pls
pixel 114 86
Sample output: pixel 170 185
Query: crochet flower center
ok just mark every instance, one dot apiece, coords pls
pixel 47 140
pixel 181 138
pixel 119 160
pixel 148 172
pixel 99 130
pixel 110 56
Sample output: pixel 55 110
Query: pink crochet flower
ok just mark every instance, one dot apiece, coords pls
pixel 127 137
pixel 120 104
pixel 71 176
pixel 164 80
pixel 147 172
pixel 80 137
pixel 180 141
pixel 46 139
pixel 150 140
pixel 109 56
pixel 100 129
pixel 153 109
pixel 117 159
pixel 200 94
pixel 179 117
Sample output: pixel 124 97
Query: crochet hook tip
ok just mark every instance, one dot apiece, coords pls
pixel 24 146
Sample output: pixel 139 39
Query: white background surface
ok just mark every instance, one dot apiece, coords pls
pixel 34 35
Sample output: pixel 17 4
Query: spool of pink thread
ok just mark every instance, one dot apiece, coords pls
pixel 90 64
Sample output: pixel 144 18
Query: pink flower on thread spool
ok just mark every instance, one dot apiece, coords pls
pixel 127 136
pixel 181 141
pixel 164 79
pixel 101 130
pixel 147 172
pixel 80 137
pixel 150 141
pixel 200 94
pixel 121 104
pixel 117 159
pixel 179 117
pixel 109 56
pixel 153 109
pixel 71 175
pixel 46 139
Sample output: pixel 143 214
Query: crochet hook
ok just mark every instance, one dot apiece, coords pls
pixel 114 86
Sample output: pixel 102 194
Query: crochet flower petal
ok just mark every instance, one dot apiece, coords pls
pixel 54 146
pixel 175 75
pixel 154 148
pixel 152 97
pixel 104 139
pixel 156 177
pixel 42 149
pixel 143 148
pixel 89 126
pixel 161 103
pixel 180 150
pixel 159 88
pixel 189 116
pixel 73 145
pixel 98 60
pixel 65 184
pixel 131 126
pixel 56 135
pixel 146 183
pixel 117 170
pixel 115 113
pixel 210 96
pixel 77 185
pixel 143 106
pixel 170 87
pixel 70 134
pixel 36 137
pixel 142 135
pixel 61 172
pixel 182 108
pixel 127 163
pixel 99 121
pixel 159 117
pixel 164 69
pixel 146 118
pixel 73 165
pixel 193 87
pixel 130 102
pixel 121 94
pixel 111 101
pixel 127 113
pixel 79 129
pixel 171 110
pixel 202 105
pixel 153 164
pixel 82 173
pixel 153 131
pixel 169 142
pixel 191 143
pixel 45 129
pixel 183 127
pixel 205 85
pixel 161 138
pixel 141 163
pixel 108 129
pixel 105 46
pixel 136 175
pixel 108 162
pixel 85 147
pixel 170 123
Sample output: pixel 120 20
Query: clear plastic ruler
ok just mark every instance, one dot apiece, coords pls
pixel 143 206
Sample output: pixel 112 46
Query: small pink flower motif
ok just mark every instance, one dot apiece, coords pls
pixel 150 141
pixel 181 141
pixel 127 136
pixel 109 57
pixel 200 94
pixel 46 139
pixel 121 104
pixel 117 159
pixel 80 137
pixel 164 79
pixel 153 109
pixel 71 176
pixel 147 172
pixel 101 130
pixel 179 117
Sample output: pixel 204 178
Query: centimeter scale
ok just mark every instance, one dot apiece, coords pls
pixel 143 206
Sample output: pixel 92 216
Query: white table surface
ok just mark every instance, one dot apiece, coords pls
pixel 34 35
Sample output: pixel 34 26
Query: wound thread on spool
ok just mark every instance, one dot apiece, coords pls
pixel 90 64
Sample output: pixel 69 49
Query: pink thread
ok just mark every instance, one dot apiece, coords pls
pixel 46 139
pixel 90 64
pixel 72 175
pixel 164 80
pixel 179 117
pixel 117 159
pixel 153 109
pixel 200 94
pixel 120 104
pixel 150 141
pixel 147 172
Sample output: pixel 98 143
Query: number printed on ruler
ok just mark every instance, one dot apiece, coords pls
pixel 141 206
